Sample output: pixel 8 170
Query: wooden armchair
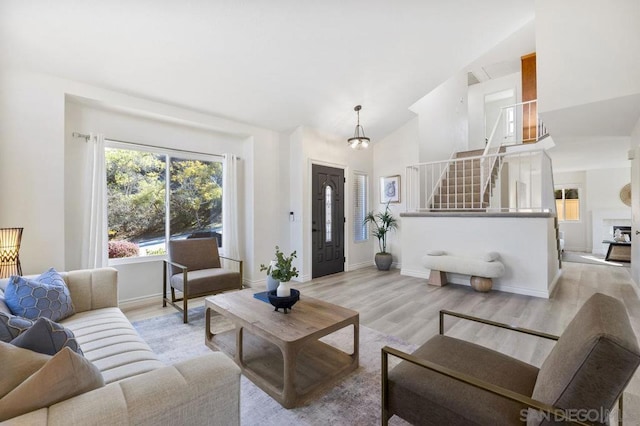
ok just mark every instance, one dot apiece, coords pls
pixel 195 270
pixel 454 382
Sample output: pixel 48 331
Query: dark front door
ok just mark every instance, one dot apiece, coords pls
pixel 327 220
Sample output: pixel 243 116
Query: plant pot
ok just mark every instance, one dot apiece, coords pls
pixel 383 261
pixel 284 289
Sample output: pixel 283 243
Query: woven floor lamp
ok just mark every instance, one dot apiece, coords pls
pixel 9 252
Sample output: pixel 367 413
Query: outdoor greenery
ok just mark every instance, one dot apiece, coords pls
pixel 119 249
pixel 282 271
pixel 136 183
pixel 383 222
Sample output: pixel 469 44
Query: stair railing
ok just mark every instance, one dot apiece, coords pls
pixel 526 185
pixel 509 128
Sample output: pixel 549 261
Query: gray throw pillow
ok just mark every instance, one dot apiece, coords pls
pixel 47 337
pixel 11 326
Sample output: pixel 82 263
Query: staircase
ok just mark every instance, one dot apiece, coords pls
pixel 557 232
pixel 460 185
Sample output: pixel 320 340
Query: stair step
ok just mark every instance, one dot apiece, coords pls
pixel 465 164
pixel 472 153
pixel 462 171
pixel 473 188
pixel 476 152
pixel 459 198
pixel 461 180
pixel 469 210
pixel 452 207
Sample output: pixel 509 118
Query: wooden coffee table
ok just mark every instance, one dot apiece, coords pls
pixel 281 353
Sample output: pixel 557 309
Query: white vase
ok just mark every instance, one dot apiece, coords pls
pixel 283 289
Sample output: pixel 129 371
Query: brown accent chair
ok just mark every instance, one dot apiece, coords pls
pixel 454 382
pixel 195 270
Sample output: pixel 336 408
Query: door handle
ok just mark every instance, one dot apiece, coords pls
pixel 315 230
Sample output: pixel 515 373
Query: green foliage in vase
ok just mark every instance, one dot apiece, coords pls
pixel 382 223
pixel 282 271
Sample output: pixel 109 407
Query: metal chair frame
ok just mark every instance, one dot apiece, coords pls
pixel 185 294
pixel 556 412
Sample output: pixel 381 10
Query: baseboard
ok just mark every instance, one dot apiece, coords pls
pixel 304 278
pixel 255 283
pixel 524 291
pixel 140 302
pixel 416 273
pixel 464 280
pixel 360 265
pixel 554 282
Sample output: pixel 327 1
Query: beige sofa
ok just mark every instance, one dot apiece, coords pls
pixel 139 389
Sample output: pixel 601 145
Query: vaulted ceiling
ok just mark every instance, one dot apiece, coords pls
pixel 276 64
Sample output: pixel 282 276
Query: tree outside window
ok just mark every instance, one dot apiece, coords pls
pixel 137 202
pixel 568 204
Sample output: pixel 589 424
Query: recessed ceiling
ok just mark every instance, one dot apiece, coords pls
pixel 276 64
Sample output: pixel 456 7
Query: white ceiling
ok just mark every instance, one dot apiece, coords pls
pixel 600 152
pixel 277 64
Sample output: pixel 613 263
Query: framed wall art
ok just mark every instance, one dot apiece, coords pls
pixel 390 189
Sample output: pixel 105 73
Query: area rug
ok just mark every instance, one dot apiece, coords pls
pixel 355 400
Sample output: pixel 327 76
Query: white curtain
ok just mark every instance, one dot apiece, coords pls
pixel 94 253
pixel 230 207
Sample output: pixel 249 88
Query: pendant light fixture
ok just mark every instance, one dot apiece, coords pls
pixel 359 140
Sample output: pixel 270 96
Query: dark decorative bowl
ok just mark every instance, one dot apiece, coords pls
pixel 284 302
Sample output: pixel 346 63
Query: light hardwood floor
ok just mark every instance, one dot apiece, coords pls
pixel 408 308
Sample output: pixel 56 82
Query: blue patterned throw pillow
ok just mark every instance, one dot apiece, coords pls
pixel 11 326
pixel 46 296
pixel 47 337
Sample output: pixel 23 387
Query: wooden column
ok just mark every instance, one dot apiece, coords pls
pixel 529 93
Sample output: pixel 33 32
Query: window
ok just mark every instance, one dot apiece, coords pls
pixel 510 123
pixel 328 213
pixel 154 196
pixel 568 204
pixel 360 203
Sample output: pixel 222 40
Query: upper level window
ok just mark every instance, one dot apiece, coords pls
pixel 568 204
pixel 360 204
pixel 510 123
pixel 154 196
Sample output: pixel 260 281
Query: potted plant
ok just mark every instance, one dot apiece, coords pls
pixel 382 223
pixel 281 270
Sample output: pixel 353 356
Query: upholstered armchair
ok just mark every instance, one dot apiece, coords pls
pixel 454 382
pixel 194 268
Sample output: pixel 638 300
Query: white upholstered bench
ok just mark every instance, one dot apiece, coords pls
pixel 482 269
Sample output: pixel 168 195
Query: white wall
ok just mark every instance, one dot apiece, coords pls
pixel 581 42
pixel 32 167
pixel 141 278
pixel 603 203
pixel 526 247
pixel 600 189
pixel 575 233
pixel 308 147
pixel 635 203
pixel 442 117
pixel 391 155
pixel 476 105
